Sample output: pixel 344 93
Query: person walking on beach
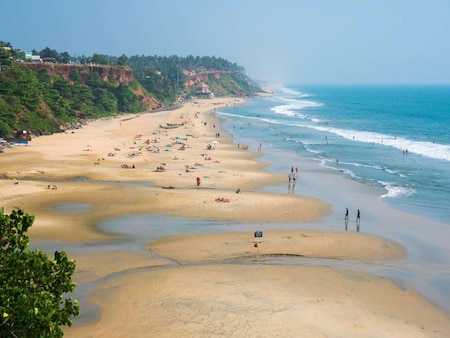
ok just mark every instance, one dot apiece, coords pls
pixel 346 218
pixel 358 220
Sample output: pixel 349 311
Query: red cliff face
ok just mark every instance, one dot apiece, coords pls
pixel 107 73
pixel 203 77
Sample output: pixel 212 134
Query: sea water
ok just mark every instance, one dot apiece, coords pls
pixel 395 137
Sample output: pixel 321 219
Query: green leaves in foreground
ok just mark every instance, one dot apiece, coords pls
pixel 32 286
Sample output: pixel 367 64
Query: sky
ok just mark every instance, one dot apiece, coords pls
pixel 282 41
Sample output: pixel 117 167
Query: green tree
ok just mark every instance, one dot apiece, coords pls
pixel 94 80
pixel 100 59
pixel 63 87
pixel 64 57
pixel 48 53
pixel 82 97
pixel 160 86
pixel 5 130
pixel 123 61
pixel 25 86
pixel 5 56
pixel 75 76
pixel 127 101
pixel 9 111
pixel 105 101
pixel 32 284
pixel 43 76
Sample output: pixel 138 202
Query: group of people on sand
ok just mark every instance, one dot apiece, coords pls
pixel 358 219
pixel 358 215
pixel 206 157
pixel 243 146
pixel 293 176
pixel 222 199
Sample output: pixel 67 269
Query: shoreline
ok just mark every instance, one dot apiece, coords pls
pixel 425 240
pixel 229 169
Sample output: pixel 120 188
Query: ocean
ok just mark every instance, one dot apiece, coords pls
pixel 393 137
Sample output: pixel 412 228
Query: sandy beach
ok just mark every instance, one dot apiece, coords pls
pixel 202 284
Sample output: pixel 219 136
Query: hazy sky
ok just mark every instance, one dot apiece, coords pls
pixel 295 41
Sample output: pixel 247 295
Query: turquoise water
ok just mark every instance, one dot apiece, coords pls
pixel 396 137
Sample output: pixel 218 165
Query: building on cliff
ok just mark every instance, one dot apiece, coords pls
pixel 202 89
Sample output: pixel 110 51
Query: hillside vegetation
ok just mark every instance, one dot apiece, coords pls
pixel 48 97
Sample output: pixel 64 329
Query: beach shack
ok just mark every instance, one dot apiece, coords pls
pixel 49 60
pixel 202 89
pixel 36 58
pixel 23 136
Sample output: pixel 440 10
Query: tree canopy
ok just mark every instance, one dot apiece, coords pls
pixel 34 287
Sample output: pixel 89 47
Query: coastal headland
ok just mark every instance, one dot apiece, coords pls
pixel 180 163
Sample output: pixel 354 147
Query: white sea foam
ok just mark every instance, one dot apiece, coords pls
pixel 327 163
pixel 293 92
pixel 362 165
pixel 394 172
pixel 291 106
pixel 428 149
pixel 376 167
pixel 290 91
pixel 287 110
pixel 396 191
